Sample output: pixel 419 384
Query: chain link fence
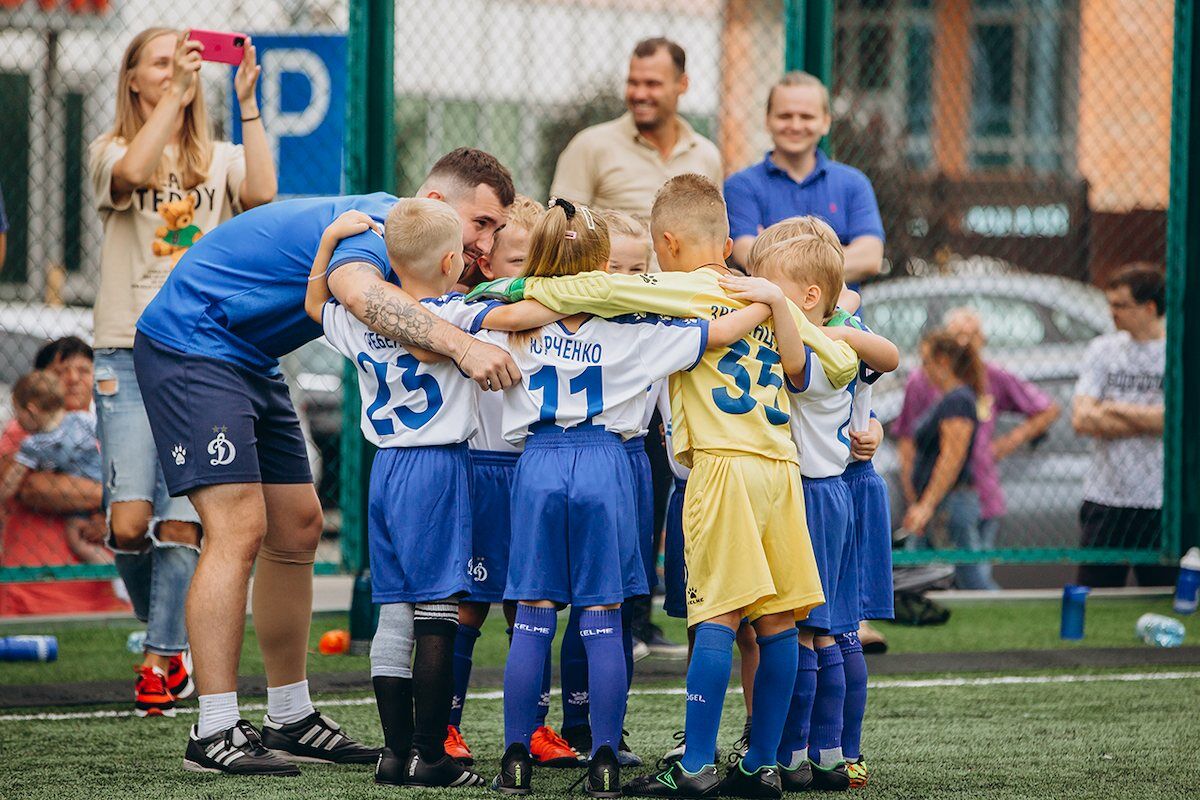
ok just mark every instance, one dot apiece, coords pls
pixel 59 66
pixel 1018 150
pixel 1020 154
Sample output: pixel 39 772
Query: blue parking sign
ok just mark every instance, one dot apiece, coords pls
pixel 302 95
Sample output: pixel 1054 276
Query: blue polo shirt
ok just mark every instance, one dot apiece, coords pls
pixel 763 194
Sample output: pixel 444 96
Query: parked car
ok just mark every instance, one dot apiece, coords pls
pixel 1038 328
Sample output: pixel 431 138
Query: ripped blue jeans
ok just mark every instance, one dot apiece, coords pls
pixel 157 575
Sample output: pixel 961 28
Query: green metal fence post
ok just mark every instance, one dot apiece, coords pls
pixel 370 167
pixel 808 40
pixel 1181 498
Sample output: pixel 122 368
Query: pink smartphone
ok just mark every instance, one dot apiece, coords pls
pixel 220 46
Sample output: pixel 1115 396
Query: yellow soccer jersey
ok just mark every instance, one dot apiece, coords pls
pixel 733 402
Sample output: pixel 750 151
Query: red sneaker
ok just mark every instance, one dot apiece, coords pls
pixel 456 747
pixel 551 750
pixel 179 676
pixel 150 695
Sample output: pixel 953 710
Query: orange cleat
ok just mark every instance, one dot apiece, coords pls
pixel 456 747
pixel 551 750
pixel 150 695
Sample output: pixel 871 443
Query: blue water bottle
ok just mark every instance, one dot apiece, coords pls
pixel 1073 604
pixel 28 648
pixel 1187 587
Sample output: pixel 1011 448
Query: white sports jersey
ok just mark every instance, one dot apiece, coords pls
pixel 597 375
pixel 407 403
pixel 664 409
pixel 652 394
pixel 821 421
pixel 490 435
pixel 860 412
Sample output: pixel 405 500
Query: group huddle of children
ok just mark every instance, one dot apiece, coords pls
pixel 539 496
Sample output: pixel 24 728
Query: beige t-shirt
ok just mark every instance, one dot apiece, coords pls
pixel 146 234
pixel 611 165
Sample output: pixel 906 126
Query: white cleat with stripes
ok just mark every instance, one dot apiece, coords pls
pixel 316 738
pixel 236 751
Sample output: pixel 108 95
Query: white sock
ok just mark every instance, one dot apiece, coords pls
pixel 288 704
pixel 218 712
pixel 797 758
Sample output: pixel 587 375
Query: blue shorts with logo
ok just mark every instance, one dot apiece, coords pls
pixel 574 520
pixel 491 491
pixel 215 422
pixel 419 523
pixel 674 570
pixel 643 489
pixel 830 515
pixel 873 531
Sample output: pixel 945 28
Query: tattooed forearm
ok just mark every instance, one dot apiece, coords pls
pixel 405 322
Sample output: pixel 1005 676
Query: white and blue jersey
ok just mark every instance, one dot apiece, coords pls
pixel 820 423
pixel 493 464
pixel 237 294
pixel 407 403
pixel 420 417
pixel 598 374
pixel 574 512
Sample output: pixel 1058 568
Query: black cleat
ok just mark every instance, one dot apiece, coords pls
pixel 798 779
pixel 604 774
pixel 743 744
pixel 580 739
pixel 836 779
pixel 516 767
pixel 762 783
pixel 389 769
pixel 234 751
pixel 625 753
pixel 445 772
pixel 675 781
pixel 315 738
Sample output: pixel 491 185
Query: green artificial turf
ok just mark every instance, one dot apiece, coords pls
pixel 1082 741
pixel 93 651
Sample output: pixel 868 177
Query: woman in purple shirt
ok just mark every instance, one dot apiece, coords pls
pixel 1005 392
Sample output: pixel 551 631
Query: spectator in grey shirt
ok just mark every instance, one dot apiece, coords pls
pixel 1119 403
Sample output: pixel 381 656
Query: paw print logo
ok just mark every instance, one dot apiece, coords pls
pixel 648 278
pixel 179 454
pixel 693 597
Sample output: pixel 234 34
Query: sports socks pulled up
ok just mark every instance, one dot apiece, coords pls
pixel 793 746
pixel 774 678
pixel 533 634
pixel 391 675
pixel 707 682
pixel 435 625
pixel 825 740
pixel 854 665
pixel 601 632
pixel 464 653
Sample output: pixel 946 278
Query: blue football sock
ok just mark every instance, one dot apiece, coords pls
pixel 464 649
pixel 627 643
pixel 544 697
pixel 533 633
pixel 793 747
pixel 775 678
pixel 601 633
pixel 825 741
pixel 707 682
pixel 573 666
pixel 855 667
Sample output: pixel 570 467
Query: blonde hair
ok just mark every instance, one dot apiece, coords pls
pixel 418 231
pixel 798 78
pixel 195 139
pixel 804 250
pixel 690 206
pixel 627 227
pixel 524 213
pixel 564 244
pixel 40 389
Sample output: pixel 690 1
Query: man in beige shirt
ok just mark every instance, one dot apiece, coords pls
pixel 622 163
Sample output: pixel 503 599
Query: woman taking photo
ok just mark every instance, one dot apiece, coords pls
pixel 941 470
pixel 161 182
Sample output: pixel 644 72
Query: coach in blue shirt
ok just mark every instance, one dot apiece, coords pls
pixel 796 178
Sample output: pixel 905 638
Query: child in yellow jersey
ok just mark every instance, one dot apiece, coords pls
pixel 745 551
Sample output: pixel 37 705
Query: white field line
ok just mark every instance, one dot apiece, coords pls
pixel 926 683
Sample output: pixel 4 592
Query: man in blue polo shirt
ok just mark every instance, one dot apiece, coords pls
pixel 228 437
pixel 796 178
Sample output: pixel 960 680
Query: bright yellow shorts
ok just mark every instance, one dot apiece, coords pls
pixel 746 542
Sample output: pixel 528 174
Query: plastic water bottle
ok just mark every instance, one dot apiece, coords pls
pixel 136 643
pixel 1187 587
pixel 28 648
pixel 1159 630
pixel 1073 606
